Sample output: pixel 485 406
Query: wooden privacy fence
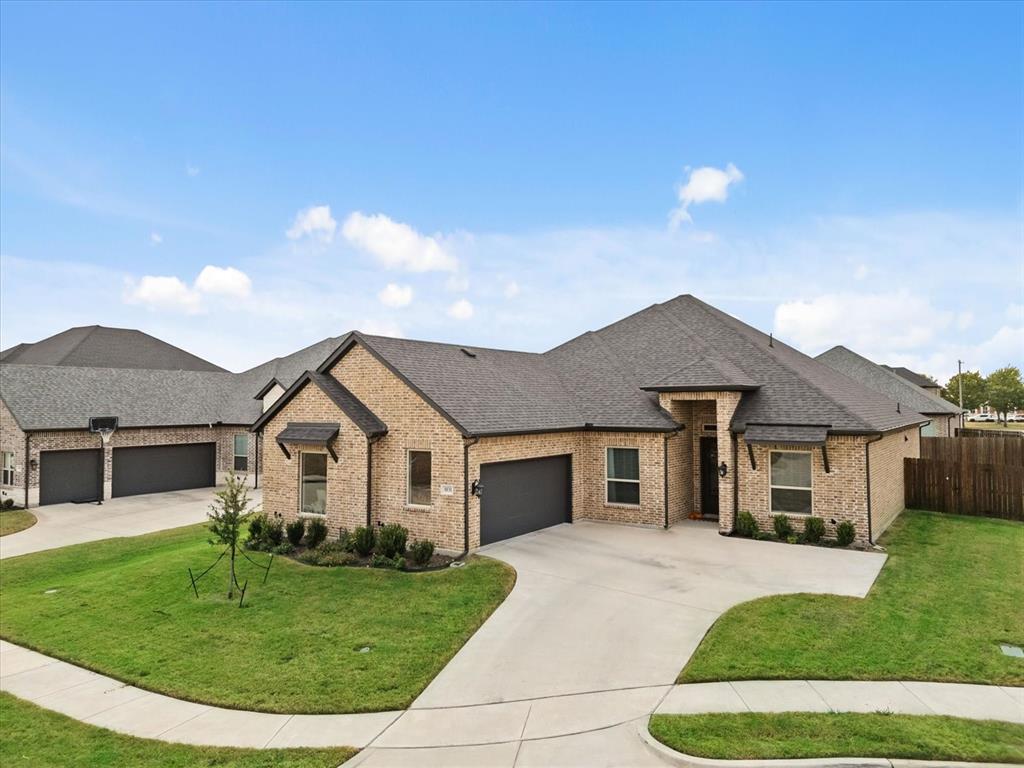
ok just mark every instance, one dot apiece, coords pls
pixel 1013 434
pixel 967 477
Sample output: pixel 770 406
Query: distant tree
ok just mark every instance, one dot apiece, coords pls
pixel 227 516
pixel 975 393
pixel 1005 390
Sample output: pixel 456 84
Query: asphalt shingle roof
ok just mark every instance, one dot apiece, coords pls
pixel 94 346
pixel 916 379
pixel 881 379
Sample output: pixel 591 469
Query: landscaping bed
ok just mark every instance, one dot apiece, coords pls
pixel 13 519
pixel 792 735
pixel 33 737
pixel 948 596
pixel 310 640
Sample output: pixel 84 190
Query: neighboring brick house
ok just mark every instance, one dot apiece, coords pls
pixel 676 411
pixel 943 415
pixel 182 421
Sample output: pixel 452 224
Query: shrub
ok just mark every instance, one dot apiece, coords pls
pixel 783 528
pixel 421 551
pixel 382 561
pixel 345 539
pixel 316 532
pixel 284 548
pixel 329 554
pixel 363 540
pixel 257 532
pixel 845 533
pixel 8 503
pixel 746 525
pixel 814 529
pixel 391 540
pixel 295 530
pixel 274 532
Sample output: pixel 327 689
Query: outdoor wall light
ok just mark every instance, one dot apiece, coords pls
pixel 723 469
pixel 477 489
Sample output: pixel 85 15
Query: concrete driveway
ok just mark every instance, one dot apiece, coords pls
pixel 63 524
pixel 604 607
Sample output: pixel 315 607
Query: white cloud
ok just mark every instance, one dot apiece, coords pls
pixel 511 289
pixel 457 284
pixel 395 295
pixel 964 320
pixel 381 328
pixel 396 245
pixel 461 310
pixel 861 272
pixel 314 222
pixel 226 281
pixel 706 184
pixel 1015 313
pixel 162 292
pixel 870 324
pixel 191 170
pixel 155 238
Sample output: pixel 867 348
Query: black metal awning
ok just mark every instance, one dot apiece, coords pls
pixel 309 433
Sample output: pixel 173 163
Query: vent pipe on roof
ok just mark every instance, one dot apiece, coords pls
pixel 467 353
pixel 898 407
pixel 771 339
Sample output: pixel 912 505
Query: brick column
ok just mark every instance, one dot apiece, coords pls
pixel 725 407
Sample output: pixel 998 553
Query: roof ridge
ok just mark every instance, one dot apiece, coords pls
pixel 750 342
pixel 92 330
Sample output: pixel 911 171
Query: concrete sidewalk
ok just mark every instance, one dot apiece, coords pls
pixel 596 728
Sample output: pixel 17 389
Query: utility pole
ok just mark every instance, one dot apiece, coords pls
pixel 960 383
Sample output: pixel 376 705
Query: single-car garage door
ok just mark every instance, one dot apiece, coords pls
pixel 157 468
pixel 523 496
pixel 69 476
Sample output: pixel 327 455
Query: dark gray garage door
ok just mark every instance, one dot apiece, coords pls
pixel 69 476
pixel 157 468
pixel 524 496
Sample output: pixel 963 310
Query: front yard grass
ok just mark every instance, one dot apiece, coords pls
pixel 38 738
pixel 949 594
pixel 14 520
pixel 791 735
pixel 125 608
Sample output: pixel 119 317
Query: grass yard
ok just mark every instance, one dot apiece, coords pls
pixel 125 608
pixel 38 738
pixel 949 594
pixel 749 735
pixel 14 520
pixel 1013 426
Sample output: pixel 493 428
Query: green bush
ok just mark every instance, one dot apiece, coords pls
pixel 274 532
pixel 345 539
pixel 814 529
pixel 257 538
pixel 391 540
pixel 329 554
pixel 783 528
pixel 746 525
pixel 295 531
pixel 316 532
pixel 284 548
pixel 845 533
pixel 382 561
pixel 421 551
pixel 8 503
pixel 364 539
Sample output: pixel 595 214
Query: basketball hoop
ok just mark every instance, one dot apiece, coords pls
pixel 105 434
pixel 103 426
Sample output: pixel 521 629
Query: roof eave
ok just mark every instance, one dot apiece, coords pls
pixel 703 388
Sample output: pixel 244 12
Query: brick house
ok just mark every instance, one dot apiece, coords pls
pixel 677 411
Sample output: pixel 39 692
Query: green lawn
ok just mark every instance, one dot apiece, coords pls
pixel 125 607
pixel 950 593
pixel 750 735
pixel 14 520
pixel 38 738
pixel 1010 425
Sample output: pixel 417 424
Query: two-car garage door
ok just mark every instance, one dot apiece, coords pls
pixel 523 496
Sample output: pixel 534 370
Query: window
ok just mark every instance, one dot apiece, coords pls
pixel 314 483
pixel 241 453
pixel 7 475
pixel 791 482
pixel 419 479
pixel 623 475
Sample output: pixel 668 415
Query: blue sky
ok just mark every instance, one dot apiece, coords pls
pixel 243 180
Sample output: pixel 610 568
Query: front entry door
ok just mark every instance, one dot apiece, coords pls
pixel 709 476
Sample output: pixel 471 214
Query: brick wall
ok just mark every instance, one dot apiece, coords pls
pixel 886 458
pixel 13 439
pixel 346 479
pixel 412 425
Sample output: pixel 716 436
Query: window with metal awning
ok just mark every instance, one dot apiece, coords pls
pixel 797 435
pixel 322 434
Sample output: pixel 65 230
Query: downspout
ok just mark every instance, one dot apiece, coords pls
pixel 867 470
pixel 465 494
pixel 735 479
pixel 27 467
pixel 369 478
pixel 664 464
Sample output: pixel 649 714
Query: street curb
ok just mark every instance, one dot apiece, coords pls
pixel 672 757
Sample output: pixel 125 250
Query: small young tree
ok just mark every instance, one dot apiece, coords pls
pixel 227 516
pixel 974 390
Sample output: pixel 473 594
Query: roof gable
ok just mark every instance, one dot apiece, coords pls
pixel 357 411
